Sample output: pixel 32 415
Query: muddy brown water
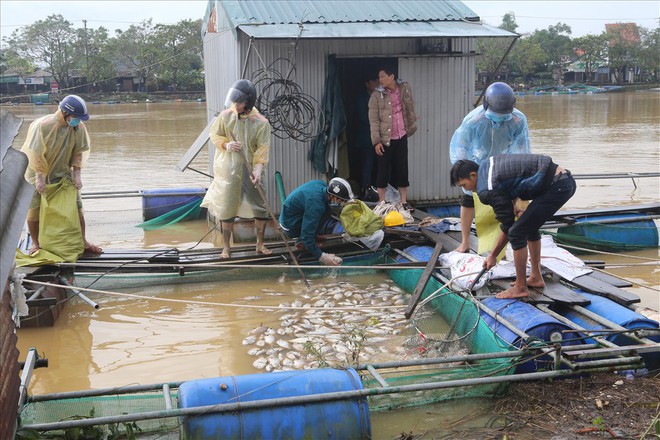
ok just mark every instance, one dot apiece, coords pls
pixel 131 341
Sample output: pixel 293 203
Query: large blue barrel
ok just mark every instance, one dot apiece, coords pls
pixel 530 320
pixel 156 202
pixel 337 419
pixel 614 312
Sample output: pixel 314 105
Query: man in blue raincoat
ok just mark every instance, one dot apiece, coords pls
pixel 492 129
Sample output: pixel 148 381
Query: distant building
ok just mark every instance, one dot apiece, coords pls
pixel 627 32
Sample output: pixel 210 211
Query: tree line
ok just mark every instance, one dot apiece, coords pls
pixel 544 55
pixel 162 56
pixel 169 57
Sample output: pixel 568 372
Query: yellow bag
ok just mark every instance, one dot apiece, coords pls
pixel 488 228
pixel 358 220
pixel 60 234
pixel 59 221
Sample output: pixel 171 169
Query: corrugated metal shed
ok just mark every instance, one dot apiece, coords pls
pixel 322 11
pixel 432 44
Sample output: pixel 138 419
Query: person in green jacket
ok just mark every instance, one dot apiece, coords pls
pixel 306 210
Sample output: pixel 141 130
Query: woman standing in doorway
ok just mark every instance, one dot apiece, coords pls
pixel 392 120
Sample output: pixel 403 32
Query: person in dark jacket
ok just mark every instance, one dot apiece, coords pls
pixel 306 210
pixel 499 181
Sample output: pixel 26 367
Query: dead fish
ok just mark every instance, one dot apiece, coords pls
pixel 260 363
pixel 258 330
pixel 282 278
pixel 269 339
pixel 249 340
pixel 161 311
pixel 283 343
pixel 251 298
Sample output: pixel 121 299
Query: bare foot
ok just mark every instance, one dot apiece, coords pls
pixel 263 250
pixel 92 249
pixel 513 292
pixel 463 248
pixel 225 253
pixel 535 282
pixel 33 249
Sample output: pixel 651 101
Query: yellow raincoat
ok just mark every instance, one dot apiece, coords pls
pixel 231 192
pixel 52 147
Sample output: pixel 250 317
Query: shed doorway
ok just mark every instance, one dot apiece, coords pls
pixel 356 160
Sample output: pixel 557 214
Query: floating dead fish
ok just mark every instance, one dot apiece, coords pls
pixel 252 298
pixel 161 311
pixel 269 339
pixel 260 363
pixel 249 340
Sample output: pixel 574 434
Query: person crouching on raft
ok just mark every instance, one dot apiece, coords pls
pixel 499 181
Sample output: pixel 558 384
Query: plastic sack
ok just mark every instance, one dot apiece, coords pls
pixel 462 264
pixel 60 235
pixel 358 220
pixel 59 221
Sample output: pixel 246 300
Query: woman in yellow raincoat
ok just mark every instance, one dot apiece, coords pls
pixel 240 134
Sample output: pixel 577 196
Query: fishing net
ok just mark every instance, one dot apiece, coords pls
pixel 62 410
pixel 189 211
pixel 443 321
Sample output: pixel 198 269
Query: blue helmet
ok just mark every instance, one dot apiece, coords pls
pixel 75 105
pixel 499 98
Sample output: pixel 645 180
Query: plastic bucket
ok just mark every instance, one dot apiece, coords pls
pixel 530 320
pixel 156 202
pixel 331 419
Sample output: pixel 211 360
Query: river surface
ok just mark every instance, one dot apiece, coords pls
pixel 144 340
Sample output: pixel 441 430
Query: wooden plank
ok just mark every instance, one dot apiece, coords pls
pixel 474 241
pixel 423 280
pixel 447 241
pixel 597 287
pixel 610 279
pixel 560 293
pixel 535 297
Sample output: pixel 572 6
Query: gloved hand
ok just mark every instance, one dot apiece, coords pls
pixel 40 183
pixel 77 181
pixel 233 146
pixel 330 259
pixel 256 173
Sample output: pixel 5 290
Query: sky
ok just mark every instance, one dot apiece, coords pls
pixel 584 17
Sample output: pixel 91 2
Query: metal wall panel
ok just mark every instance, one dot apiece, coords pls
pixel 443 86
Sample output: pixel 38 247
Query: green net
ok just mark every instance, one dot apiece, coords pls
pixel 102 406
pixel 190 211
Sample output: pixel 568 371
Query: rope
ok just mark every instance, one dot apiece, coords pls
pixel 594 251
pixel 209 303
pixel 249 266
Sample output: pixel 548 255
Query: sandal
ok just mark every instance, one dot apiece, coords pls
pixel 407 207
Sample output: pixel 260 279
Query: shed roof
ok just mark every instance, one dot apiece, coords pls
pixel 347 19
pixel 336 11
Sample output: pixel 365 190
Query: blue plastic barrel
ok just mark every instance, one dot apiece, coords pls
pixel 156 202
pixel 615 313
pixel 336 419
pixel 620 315
pixel 530 320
